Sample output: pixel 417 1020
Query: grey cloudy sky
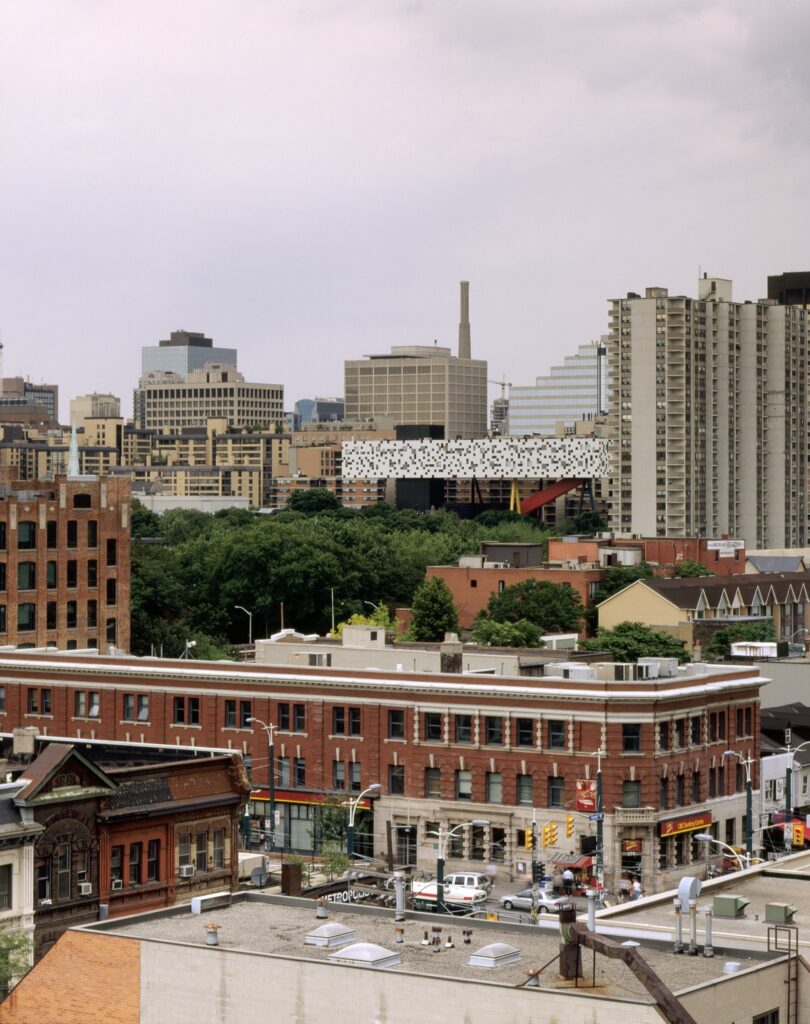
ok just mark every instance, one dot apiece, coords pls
pixel 308 180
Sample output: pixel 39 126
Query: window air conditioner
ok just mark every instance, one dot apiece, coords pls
pixel 85 888
pixel 186 870
pixel 118 883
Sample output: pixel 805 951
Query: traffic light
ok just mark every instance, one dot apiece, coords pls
pixel 538 871
pixel 528 840
pixel 569 825
pixel 549 833
pixel 798 834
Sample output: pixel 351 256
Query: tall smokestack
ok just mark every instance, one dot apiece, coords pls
pixel 464 325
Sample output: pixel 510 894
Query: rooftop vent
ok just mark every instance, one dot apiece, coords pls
pixel 498 954
pixel 332 935
pixel 366 954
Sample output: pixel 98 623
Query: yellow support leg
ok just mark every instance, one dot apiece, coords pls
pixel 514 498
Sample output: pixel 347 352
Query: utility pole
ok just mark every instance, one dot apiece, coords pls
pixel 535 881
pixel 600 824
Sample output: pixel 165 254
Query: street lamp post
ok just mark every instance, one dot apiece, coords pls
pixel 707 837
pixel 790 751
pixel 749 801
pixel 249 614
pixel 271 773
pixel 600 822
pixel 443 838
pixel 352 811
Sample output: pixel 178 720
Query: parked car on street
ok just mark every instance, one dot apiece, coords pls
pixel 546 903
pixel 470 880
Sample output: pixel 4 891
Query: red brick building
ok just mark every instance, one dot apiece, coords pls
pixel 446 749
pixel 64 562
pixel 131 839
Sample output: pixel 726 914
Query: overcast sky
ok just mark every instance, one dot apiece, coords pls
pixel 308 180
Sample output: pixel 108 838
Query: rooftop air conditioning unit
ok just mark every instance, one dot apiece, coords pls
pixel 186 870
pixel 118 883
pixel 86 888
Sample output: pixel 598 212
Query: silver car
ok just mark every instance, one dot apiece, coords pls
pixel 522 900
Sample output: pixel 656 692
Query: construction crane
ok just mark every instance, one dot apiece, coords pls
pixel 503 385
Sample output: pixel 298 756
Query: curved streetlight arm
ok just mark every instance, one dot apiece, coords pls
pixel 269 729
pixel 354 803
pixel 706 837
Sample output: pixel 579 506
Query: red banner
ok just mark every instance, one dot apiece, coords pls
pixel 678 826
pixel 586 795
pixel 631 845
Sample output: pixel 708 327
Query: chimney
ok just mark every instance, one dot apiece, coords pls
pixel 464 325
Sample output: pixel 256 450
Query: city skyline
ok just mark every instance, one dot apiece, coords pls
pixel 311 186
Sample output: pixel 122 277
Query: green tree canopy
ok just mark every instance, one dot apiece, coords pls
pixel 314 501
pixel 506 634
pixel 15 957
pixel 720 644
pixel 629 641
pixel 553 607
pixel 145 523
pixel 379 617
pixel 691 567
pixel 434 612
pixel 617 577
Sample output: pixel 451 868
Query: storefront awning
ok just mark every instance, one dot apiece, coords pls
pixel 573 862
pixel 301 796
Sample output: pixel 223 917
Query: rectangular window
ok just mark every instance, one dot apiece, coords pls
pixel 712 783
pixel 129 707
pixel 283 771
pixel 463 784
pixel 5 887
pixel 50 615
pixel 43 881
pixel 94 702
pixel 338 721
pixel 92 573
pixel 194 711
pixel 433 726
pixel 112 593
pixel 396 780
pixel 201 851
pixel 71 614
pixel 493 730
pixel 50 575
pixel 524 732
pixel 663 793
pixel 184 849
pixel 284 717
pixel 770 1017
pixel 338 775
pixel 92 614
pixel 179 711
pixel 135 851
pixel 33 702
pixel 2 536
pixel 219 848
pixel 494 787
pixel 695 787
pixel 354 722
pixel 26 617
pixel 396 725
pixel 556 735
pixel 556 791
pixel 143 707
pixel 2 699
pixel 463 725
pixel 51 540
pixel 153 861
pixel 27 576
pixel 525 790
pixel 299 717
pixel 80 704
pixel 680 733
pixel 3 627
pixel 433 783
pixel 663 735
pixel 63 871
pixel 230 714
pixel 117 864
pixel 300 769
pixel 92 533
pixel 631 794
pixel 354 777
pixel 245 714
pixel 110 631
pixel 72 574
pixel 112 551
pixel 695 730
pixel 631 738
pixel 72 533
pixel 26 536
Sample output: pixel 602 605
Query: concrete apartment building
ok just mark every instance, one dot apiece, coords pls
pixel 446 749
pixel 575 392
pixel 94 406
pixel 708 416
pixel 64 562
pixel 422 385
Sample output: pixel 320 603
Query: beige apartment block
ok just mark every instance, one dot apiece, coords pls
pixel 708 416
pixel 94 406
pixel 171 403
